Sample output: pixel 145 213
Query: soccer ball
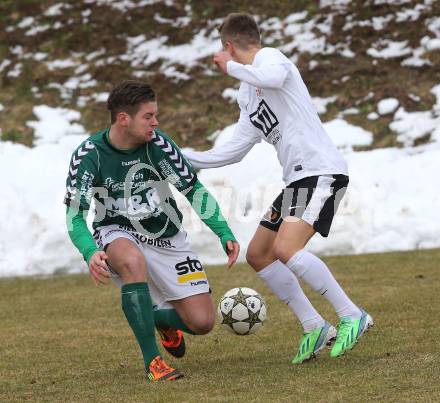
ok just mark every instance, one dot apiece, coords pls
pixel 242 311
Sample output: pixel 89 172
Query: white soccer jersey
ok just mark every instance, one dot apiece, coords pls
pixel 276 106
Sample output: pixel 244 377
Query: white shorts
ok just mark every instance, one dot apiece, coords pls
pixel 173 269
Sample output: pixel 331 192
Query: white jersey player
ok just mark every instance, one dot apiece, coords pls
pixel 275 106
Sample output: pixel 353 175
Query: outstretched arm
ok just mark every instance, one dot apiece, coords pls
pixel 209 212
pixel 231 152
pixel 201 201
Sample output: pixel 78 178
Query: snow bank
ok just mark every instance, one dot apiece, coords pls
pixel 390 205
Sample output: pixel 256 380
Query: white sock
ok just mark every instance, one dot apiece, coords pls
pixel 286 287
pixel 317 275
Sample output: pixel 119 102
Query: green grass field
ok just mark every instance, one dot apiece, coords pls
pixel 63 340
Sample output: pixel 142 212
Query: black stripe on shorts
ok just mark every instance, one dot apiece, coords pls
pixel 314 199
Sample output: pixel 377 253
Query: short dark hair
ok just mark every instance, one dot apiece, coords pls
pixel 241 29
pixel 128 97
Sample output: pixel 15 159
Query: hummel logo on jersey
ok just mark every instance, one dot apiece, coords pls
pixel 128 163
pixel 263 118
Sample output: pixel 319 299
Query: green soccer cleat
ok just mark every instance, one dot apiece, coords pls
pixel 349 332
pixel 313 342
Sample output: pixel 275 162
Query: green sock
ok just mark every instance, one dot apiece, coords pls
pixel 138 309
pixel 169 318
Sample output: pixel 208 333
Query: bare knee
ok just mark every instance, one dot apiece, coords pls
pixel 292 236
pixel 260 250
pixel 259 258
pixel 133 269
pixel 127 260
pixel 254 258
pixel 202 322
pixel 284 251
pixel 197 312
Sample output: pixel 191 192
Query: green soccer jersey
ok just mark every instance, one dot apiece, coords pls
pixel 130 187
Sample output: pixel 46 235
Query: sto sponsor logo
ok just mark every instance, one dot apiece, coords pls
pixel 190 270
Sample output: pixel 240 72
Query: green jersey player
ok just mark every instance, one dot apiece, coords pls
pixel 124 172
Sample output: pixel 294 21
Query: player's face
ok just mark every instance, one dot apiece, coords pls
pixel 143 123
